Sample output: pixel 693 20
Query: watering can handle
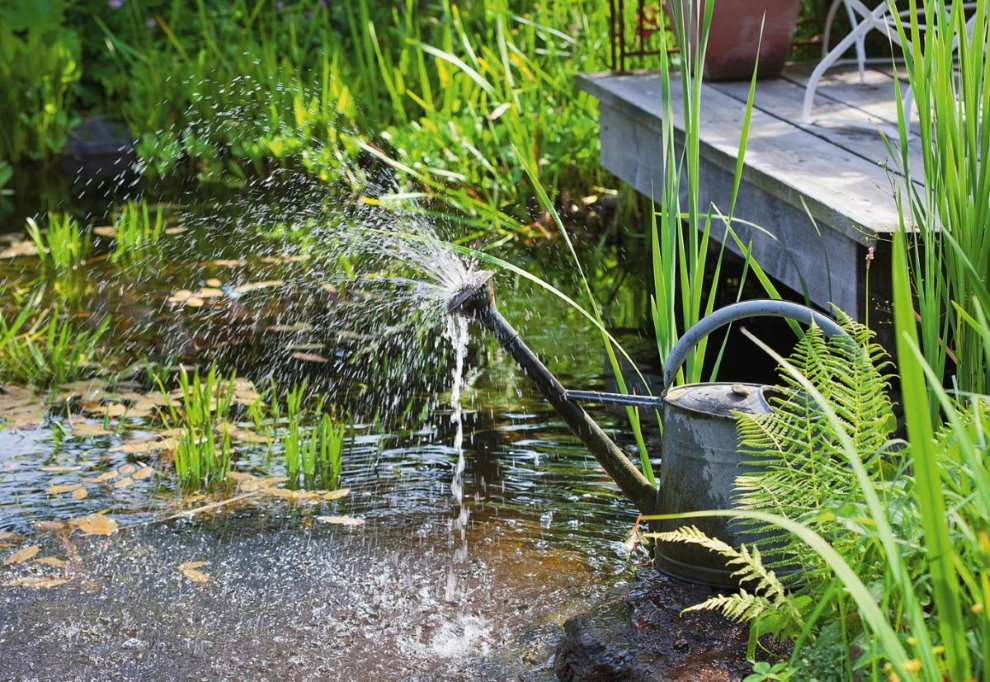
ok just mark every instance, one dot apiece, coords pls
pixel 738 311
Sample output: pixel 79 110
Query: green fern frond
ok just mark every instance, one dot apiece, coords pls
pixel 800 470
pixel 739 607
pixel 692 535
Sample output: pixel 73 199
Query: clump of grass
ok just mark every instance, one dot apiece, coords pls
pixel 203 446
pixel 64 245
pixel 313 456
pixel 136 229
pixel 52 350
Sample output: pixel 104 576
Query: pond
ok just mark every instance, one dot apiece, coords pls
pixel 399 577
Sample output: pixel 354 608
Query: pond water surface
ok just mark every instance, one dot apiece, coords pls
pixel 261 588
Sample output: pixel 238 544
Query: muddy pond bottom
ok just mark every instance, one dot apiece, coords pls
pixel 264 590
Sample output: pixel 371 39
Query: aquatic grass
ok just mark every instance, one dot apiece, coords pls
pixel 313 455
pixel 137 231
pixel 50 350
pixel 63 245
pixel 203 449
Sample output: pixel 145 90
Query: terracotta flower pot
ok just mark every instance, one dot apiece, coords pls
pixel 734 37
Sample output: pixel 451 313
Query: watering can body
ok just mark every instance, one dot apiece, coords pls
pixel 701 460
pixel 701 457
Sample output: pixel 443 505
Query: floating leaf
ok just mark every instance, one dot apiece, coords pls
pixel 189 569
pixel 228 263
pixel 285 259
pixel 111 410
pixel 80 493
pixel 254 286
pixel 36 582
pixel 127 469
pixel 20 408
pixel 341 520
pixel 49 525
pixel 105 231
pixel 336 494
pixel 309 357
pixel 52 561
pixel 195 302
pixel 209 292
pixel 87 429
pixel 297 327
pixel 102 478
pixel 95 524
pixel 145 445
pixel 175 230
pixel 62 488
pixel 20 555
pixel 248 436
pixel 143 473
pixel 214 283
pixel 124 482
pixel 19 248
pixel 58 470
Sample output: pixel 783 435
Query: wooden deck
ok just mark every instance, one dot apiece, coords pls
pixel 824 193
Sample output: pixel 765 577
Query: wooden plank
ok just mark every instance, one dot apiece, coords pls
pixel 854 129
pixel 814 260
pixel 841 190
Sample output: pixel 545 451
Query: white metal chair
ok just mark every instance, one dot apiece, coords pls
pixel 863 20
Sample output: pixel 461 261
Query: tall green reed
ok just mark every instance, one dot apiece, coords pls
pixel 948 69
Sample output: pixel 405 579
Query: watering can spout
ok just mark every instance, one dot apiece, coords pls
pixel 476 300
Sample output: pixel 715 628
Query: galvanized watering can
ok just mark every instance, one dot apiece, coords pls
pixel 701 458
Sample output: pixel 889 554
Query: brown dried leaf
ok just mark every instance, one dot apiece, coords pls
pixel 336 494
pixel 105 231
pixel 49 525
pixel 228 263
pixel 248 436
pixel 88 429
pixel 124 482
pixel 297 327
pixel 143 473
pixel 36 582
pixel 189 569
pixel 20 555
pixel 58 470
pixel 111 410
pixel 213 282
pixel 95 524
pixel 80 493
pixel 209 292
pixel 127 469
pixel 175 230
pixel 144 445
pixel 62 488
pixel 254 286
pixel 195 302
pixel 19 248
pixel 309 357
pixel 341 520
pixel 285 259
pixel 52 561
